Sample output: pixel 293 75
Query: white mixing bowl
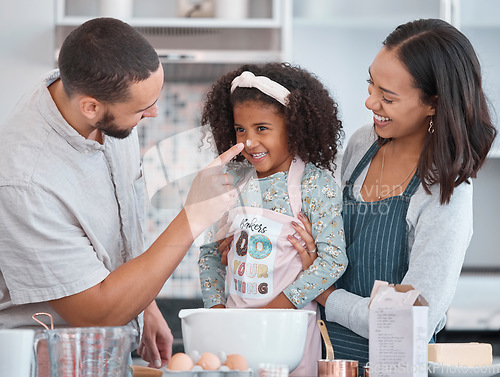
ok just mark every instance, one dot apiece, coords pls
pixel 276 336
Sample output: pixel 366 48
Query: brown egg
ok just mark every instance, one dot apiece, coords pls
pixel 180 362
pixel 236 361
pixel 209 361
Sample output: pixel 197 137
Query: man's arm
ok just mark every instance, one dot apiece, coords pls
pixel 130 288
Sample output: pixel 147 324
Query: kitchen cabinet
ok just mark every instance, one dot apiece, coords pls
pixel 478 19
pixel 348 34
pixel 259 34
pixel 182 13
pixel 338 40
pixel 351 33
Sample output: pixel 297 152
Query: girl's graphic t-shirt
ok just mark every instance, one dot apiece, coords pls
pixel 252 263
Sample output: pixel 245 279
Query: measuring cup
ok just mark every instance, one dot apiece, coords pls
pixel 330 367
pixel 88 351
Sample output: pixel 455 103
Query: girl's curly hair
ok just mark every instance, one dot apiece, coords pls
pixel 314 129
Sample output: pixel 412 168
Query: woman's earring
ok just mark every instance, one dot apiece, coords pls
pixel 431 127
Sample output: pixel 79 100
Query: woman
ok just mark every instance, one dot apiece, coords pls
pixel 407 199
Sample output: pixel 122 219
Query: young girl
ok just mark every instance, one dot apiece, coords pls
pixel 289 126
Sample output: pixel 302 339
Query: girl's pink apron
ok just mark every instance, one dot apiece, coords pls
pixel 262 262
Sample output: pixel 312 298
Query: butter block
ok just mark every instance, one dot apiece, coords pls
pixel 466 354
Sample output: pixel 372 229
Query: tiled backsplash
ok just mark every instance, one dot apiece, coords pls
pixel 171 156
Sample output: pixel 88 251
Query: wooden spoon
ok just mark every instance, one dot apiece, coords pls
pixel 326 339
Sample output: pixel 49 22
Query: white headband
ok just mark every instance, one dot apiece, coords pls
pixel 264 84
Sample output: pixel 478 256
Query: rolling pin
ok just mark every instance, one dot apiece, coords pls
pixel 139 371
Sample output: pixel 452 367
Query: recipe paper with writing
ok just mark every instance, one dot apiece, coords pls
pixel 398 331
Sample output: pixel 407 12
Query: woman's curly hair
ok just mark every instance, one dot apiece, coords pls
pixel 314 129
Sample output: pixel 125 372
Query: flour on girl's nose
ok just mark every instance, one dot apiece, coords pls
pixel 249 142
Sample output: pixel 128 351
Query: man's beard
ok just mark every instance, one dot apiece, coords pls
pixel 107 126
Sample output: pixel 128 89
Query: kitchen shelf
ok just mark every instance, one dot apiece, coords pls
pixel 187 46
pixel 337 23
pixel 261 37
pixel 216 56
pixel 185 22
pixel 261 14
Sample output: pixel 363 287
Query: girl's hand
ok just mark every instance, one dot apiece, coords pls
pixel 218 306
pixel 323 297
pixel 306 248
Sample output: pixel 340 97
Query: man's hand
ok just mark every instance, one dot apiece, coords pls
pixel 156 340
pixel 212 193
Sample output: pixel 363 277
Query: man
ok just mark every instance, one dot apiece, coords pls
pixel 71 193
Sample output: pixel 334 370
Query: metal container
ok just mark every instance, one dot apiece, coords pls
pixel 337 368
pixel 331 367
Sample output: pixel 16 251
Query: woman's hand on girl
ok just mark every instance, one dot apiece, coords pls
pixel 306 256
pixel 303 241
pixel 224 248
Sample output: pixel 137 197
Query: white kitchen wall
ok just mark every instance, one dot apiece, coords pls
pixel 484 249
pixel 26 47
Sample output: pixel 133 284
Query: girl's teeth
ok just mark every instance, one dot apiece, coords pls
pixel 381 118
pixel 259 155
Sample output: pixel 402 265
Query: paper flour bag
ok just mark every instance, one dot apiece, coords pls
pixel 398 331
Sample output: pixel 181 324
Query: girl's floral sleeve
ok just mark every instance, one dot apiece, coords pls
pixel 322 204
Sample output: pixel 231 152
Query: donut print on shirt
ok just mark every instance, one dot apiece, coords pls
pixel 253 263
